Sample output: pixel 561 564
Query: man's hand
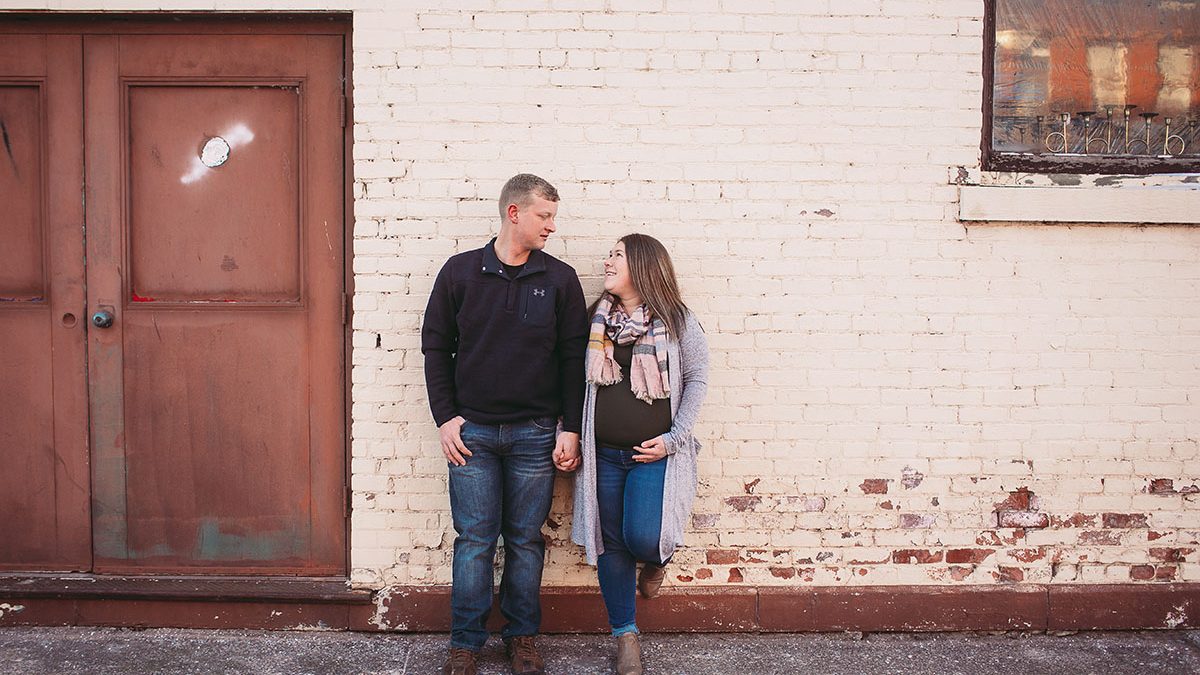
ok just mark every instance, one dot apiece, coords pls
pixel 651 450
pixel 452 446
pixel 566 451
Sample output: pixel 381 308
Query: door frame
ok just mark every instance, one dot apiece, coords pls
pixel 265 23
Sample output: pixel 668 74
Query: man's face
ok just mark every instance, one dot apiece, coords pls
pixel 533 223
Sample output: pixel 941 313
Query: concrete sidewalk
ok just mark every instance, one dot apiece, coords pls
pixel 107 650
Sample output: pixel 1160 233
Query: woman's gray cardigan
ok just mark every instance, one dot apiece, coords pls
pixel 687 366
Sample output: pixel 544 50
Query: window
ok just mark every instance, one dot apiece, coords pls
pixel 1092 86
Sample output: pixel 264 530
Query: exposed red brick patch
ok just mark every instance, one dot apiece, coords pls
pixel 1017 535
pixel 1125 520
pixel 859 561
pixel 704 573
pixel 911 478
pixel 959 573
pixel 1074 520
pixel 1141 572
pixel 1161 486
pixel 721 556
pixel 862 571
pixel 1153 572
pixel 1026 519
pixel 1027 555
pixel 1171 555
pixel 916 520
pixel 919 556
pixel 783 572
pixel 968 555
pixel 735 576
pixel 755 557
pixel 874 486
pixel 1100 538
pixel 1151 535
pixel 988 538
pixel 1009 575
pixel 1189 490
pixel 806 573
pixel 886 505
pixel 802 503
pixel 703 520
pixel 749 487
pixel 1020 499
pixel 742 504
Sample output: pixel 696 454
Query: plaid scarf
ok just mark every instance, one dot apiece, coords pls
pixel 648 368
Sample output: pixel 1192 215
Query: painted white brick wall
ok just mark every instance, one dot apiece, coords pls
pixel 896 397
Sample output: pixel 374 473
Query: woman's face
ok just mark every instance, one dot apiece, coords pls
pixel 616 273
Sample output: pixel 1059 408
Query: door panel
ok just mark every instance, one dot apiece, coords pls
pixel 216 447
pixel 217 400
pixel 43 446
pixel 221 234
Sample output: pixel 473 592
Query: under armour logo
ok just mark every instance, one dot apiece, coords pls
pixel 539 292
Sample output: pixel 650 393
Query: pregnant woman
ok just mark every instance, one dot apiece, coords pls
pixel 647 370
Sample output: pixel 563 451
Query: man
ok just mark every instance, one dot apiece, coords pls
pixel 504 339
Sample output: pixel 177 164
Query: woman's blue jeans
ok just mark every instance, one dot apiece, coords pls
pixel 504 488
pixel 631 498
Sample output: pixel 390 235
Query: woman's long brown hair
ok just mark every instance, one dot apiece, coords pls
pixel 653 277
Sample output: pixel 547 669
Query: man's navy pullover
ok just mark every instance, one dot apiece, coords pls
pixel 501 350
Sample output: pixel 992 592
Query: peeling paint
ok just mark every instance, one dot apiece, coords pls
pixel 321 626
pixel 6 608
pixel 381 598
pixel 1176 617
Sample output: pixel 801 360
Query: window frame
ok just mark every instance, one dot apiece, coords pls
pixel 992 160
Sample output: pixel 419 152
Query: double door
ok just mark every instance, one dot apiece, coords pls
pixel 172 338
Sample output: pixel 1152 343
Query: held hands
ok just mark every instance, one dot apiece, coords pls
pixel 452 446
pixel 651 450
pixel 566 451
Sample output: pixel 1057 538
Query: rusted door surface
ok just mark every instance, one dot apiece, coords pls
pixel 43 400
pixel 174 401
pixel 214 211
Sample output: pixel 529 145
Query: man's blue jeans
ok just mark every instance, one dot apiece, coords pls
pixel 630 495
pixel 504 488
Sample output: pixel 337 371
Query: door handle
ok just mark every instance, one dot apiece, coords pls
pixel 102 319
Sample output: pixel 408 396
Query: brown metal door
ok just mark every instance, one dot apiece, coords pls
pixel 43 387
pixel 214 210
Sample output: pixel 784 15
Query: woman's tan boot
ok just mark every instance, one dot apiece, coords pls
pixel 629 654
pixel 651 579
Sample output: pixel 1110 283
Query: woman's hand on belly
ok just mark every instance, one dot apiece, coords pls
pixel 651 450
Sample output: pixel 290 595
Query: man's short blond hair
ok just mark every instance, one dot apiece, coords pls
pixel 520 190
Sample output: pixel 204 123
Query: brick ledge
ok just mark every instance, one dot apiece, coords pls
pixel 580 609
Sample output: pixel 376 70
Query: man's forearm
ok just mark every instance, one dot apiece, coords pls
pixel 439 385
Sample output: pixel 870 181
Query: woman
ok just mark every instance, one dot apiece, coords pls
pixel 647 369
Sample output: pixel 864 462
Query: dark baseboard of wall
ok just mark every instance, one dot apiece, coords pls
pixel 282 604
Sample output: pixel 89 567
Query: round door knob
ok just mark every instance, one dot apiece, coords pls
pixel 102 319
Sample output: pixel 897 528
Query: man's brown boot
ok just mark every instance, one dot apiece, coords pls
pixel 460 662
pixel 651 579
pixel 523 656
pixel 629 654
